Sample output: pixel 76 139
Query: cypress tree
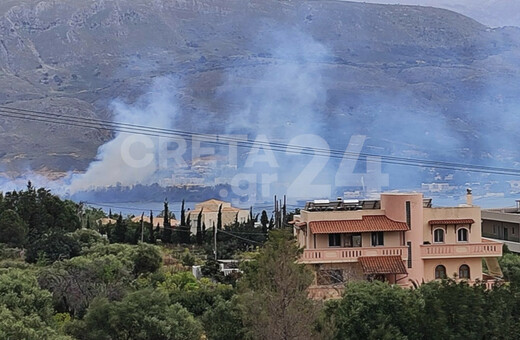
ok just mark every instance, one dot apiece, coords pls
pixel 119 234
pixel 183 214
pixel 167 230
pixel 219 218
pixel 199 228
pixel 186 231
pixel 150 229
pixel 264 220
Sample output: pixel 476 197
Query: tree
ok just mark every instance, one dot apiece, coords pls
pixel 12 228
pixel 199 228
pixel 458 307
pixel 86 238
pixel 185 232
pixel 147 259
pixel 219 217
pixel 367 311
pixel 183 214
pixel 75 283
pixel 52 247
pixel 274 299
pixel 150 229
pixel 223 320
pixel 167 230
pixel 26 311
pixel 142 315
pixel 264 220
pixel 119 234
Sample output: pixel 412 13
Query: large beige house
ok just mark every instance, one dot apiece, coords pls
pixel 400 238
pixel 210 214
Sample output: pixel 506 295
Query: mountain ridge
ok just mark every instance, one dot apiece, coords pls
pixel 76 58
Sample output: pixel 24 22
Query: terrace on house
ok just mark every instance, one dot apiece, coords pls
pixel 399 238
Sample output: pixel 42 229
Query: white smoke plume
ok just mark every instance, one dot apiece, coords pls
pixel 129 158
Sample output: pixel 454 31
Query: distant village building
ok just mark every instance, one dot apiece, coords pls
pixel 105 221
pixel 399 238
pixel 503 224
pixel 157 221
pixel 210 209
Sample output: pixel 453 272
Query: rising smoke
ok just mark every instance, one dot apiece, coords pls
pixel 123 160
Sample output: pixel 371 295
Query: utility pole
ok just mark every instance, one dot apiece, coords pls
pixel 142 227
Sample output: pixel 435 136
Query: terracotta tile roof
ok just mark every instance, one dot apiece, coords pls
pixel 382 265
pixel 366 224
pixel 452 221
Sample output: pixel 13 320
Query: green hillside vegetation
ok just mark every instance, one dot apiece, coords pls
pixel 58 281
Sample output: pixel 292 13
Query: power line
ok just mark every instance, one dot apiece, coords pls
pixel 56 118
pixel 239 237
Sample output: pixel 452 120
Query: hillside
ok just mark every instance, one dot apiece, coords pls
pixel 377 67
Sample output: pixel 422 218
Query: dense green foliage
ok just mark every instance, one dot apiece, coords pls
pixel 436 310
pixel 141 315
pixel 77 284
pixel 12 228
pixel 274 298
pixel 26 311
pixel 38 221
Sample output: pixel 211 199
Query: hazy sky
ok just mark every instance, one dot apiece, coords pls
pixel 489 12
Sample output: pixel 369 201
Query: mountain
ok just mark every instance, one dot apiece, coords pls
pixel 418 81
pixel 494 13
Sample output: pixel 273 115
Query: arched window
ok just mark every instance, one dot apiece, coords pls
pixel 464 271
pixel 438 236
pixel 440 272
pixel 462 235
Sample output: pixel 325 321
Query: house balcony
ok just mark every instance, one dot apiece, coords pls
pixel 339 255
pixel 461 250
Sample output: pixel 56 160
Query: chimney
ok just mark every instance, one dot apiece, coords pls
pixel 469 197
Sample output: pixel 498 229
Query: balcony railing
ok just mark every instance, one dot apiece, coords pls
pixel 335 255
pixel 458 250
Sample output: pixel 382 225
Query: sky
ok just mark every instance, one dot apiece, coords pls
pixel 493 13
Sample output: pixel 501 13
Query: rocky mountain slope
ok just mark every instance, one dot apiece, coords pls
pixel 417 81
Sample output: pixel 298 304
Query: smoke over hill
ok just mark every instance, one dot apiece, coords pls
pixel 414 82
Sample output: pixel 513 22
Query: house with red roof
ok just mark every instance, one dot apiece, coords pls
pixel 399 238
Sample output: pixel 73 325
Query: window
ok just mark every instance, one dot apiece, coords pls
pixel 464 271
pixel 409 244
pixel 377 238
pixel 438 236
pixel 334 240
pixel 494 229
pixel 352 240
pixel 462 235
pixel 330 276
pixel 408 214
pixel 440 272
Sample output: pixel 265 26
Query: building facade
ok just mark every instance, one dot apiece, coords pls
pixel 400 238
pixel 210 210
pixel 503 225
